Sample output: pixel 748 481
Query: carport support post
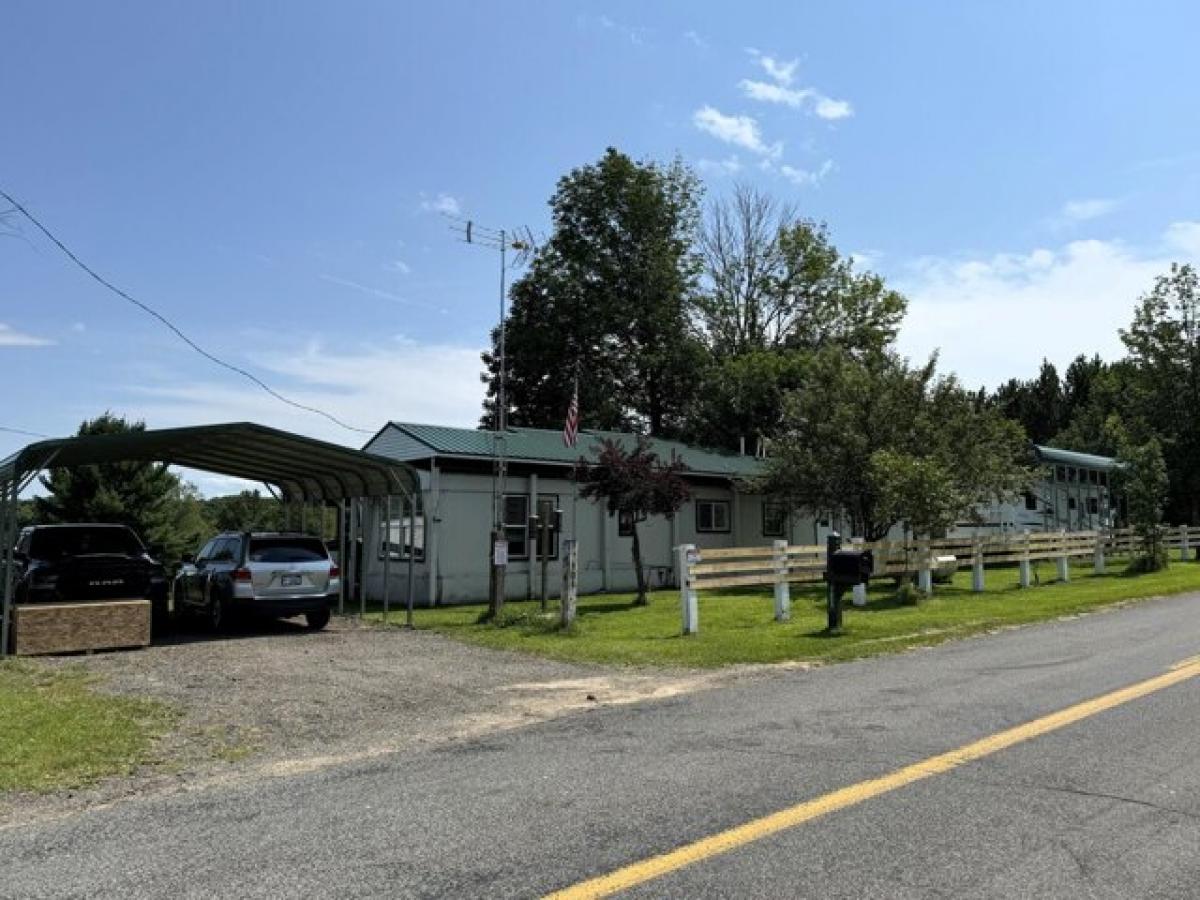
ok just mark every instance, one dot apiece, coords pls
pixel 412 556
pixel 687 589
pixel 977 567
pixel 8 531
pixel 1064 562
pixel 343 543
pixel 783 597
pixel 387 555
pixel 1025 574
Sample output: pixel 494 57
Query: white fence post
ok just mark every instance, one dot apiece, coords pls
pixel 858 594
pixel 924 572
pixel 1025 575
pixel 687 592
pixel 1064 561
pixel 1183 543
pixel 570 588
pixel 977 567
pixel 1098 555
pixel 783 596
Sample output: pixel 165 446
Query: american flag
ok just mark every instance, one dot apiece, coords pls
pixel 571 428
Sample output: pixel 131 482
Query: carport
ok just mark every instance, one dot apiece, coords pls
pixel 299 471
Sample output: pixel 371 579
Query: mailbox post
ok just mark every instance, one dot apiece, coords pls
pixel 843 569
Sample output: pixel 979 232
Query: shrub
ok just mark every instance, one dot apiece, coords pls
pixel 910 595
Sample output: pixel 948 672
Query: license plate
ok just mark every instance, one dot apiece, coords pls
pixel 290 580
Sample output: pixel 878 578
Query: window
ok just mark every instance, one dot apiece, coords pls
pixel 774 519
pixel 401 535
pixel 625 524
pixel 1071 473
pixel 1062 473
pixel 1103 479
pixel 1071 504
pixel 1031 500
pixel 287 550
pixel 546 505
pixel 223 550
pixel 712 515
pixel 1093 505
pixel 206 552
pixel 516 525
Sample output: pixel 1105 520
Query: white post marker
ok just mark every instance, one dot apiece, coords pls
pixel 1098 554
pixel 858 594
pixel 977 567
pixel 570 592
pixel 783 597
pixel 924 572
pixel 688 556
pixel 1183 543
pixel 1025 574
pixel 1064 562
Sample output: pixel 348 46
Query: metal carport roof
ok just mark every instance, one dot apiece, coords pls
pixel 302 468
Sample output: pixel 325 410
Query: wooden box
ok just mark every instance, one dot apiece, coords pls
pixel 73 627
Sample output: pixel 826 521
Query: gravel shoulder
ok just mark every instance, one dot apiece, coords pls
pixel 272 699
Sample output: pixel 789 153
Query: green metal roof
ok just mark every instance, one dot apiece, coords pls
pixel 301 467
pixel 1074 458
pixel 409 441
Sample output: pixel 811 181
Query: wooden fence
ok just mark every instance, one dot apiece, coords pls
pixel 782 564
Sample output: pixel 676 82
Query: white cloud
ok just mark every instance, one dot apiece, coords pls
pixel 379 293
pixel 399 265
pixel 994 318
pixel 742 131
pixel 731 165
pixel 806 177
pixel 782 72
pixel 10 337
pixel 828 108
pixel 766 92
pixel 695 40
pixel 442 203
pixel 796 98
pixel 1086 210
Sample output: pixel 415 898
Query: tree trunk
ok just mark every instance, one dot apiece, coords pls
pixel 637 565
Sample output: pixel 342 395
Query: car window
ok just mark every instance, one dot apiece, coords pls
pixel 206 551
pixel 64 541
pixel 287 550
pixel 222 552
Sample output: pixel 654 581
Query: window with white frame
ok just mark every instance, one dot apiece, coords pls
pixel 712 516
pixel 516 525
pixel 774 519
pixel 402 533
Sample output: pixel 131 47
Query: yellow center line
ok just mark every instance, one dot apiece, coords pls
pixel 757 829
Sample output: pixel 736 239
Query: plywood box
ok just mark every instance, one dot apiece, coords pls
pixel 72 627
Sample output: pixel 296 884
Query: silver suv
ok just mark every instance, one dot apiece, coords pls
pixel 266 573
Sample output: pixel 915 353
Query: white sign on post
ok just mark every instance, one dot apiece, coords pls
pixel 500 553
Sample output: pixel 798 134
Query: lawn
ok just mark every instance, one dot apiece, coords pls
pixel 58 732
pixel 737 626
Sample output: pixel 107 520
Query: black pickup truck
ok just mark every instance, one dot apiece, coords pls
pixel 79 563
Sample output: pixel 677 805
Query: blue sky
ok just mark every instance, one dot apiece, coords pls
pixel 269 175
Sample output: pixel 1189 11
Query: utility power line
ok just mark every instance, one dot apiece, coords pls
pixel 173 327
pixel 37 434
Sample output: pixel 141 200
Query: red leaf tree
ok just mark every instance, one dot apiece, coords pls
pixel 637 484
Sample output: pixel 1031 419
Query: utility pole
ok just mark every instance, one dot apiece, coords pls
pixel 472 232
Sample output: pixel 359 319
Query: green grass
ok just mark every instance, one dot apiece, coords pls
pixel 737 626
pixel 56 732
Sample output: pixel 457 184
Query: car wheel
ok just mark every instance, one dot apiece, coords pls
pixel 317 620
pixel 216 615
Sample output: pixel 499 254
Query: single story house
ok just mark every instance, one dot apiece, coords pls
pixel 457 472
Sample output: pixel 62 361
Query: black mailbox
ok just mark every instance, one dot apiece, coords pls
pixel 850 567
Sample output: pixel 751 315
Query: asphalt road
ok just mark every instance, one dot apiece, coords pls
pixel 1106 807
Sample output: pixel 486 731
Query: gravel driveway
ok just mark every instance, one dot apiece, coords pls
pixel 272 698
